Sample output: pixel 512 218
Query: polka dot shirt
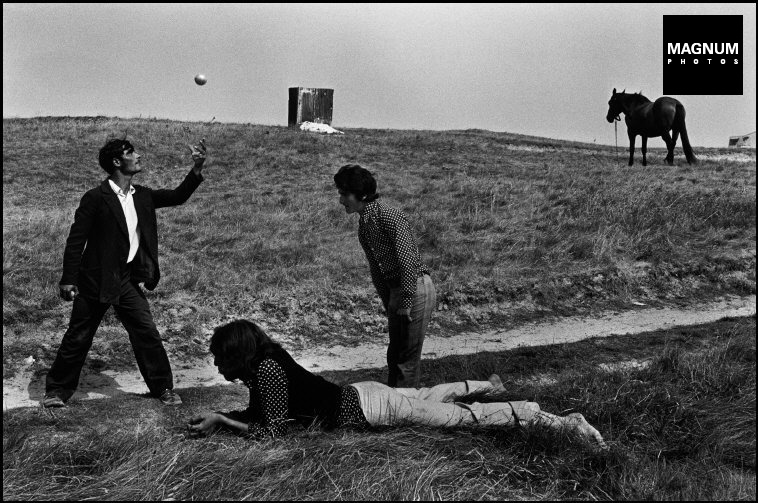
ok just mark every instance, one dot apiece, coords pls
pixel 268 394
pixel 268 391
pixel 391 250
pixel 350 413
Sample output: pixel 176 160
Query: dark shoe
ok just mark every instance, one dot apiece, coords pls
pixel 52 401
pixel 170 398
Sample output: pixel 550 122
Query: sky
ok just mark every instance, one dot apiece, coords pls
pixel 544 70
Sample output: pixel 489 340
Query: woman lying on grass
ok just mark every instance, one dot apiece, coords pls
pixel 281 391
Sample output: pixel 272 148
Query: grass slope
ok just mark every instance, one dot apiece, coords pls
pixel 514 228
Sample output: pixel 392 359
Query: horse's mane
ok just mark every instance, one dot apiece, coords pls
pixel 636 98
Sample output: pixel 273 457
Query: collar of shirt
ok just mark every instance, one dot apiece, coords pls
pixel 118 190
pixel 369 211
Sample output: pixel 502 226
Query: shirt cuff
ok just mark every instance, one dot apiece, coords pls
pixel 403 312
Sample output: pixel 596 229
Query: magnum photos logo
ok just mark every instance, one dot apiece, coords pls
pixel 702 54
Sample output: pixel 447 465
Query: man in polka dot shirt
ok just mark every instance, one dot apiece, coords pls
pixel 400 278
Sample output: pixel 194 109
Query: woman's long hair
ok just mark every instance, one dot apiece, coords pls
pixel 243 344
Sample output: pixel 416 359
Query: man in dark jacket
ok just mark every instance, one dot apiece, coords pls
pixel 111 250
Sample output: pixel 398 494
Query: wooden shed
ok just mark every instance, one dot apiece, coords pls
pixel 310 104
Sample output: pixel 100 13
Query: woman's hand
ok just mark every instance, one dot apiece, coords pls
pixel 204 424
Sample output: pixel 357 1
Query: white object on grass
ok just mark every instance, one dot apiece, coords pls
pixel 314 127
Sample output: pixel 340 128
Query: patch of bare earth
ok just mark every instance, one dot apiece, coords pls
pixel 26 388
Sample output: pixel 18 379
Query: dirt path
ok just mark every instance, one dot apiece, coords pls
pixel 23 391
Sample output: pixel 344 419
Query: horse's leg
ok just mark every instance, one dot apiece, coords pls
pixel 632 137
pixel 670 146
pixel 674 137
pixel 644 150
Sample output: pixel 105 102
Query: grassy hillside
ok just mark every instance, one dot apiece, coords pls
pixel 513 228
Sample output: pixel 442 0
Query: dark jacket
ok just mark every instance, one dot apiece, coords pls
pixel 309 397
pixel 98 243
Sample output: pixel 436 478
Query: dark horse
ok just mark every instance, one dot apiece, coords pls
pixel 649 119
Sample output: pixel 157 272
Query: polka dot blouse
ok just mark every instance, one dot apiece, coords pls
pixel 269 398
pixel 391 250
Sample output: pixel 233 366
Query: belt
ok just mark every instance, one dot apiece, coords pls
pixel 395 282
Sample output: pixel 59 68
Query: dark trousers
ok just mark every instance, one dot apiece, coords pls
pixel 407 339
pixel 86 315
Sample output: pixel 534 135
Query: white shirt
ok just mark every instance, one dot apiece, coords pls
pixel 127 204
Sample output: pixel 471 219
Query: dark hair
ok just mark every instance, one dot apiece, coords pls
pixel 113 149
pixel 358 181
pixel 244 343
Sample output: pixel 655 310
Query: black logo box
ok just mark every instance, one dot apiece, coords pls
pixel 689 73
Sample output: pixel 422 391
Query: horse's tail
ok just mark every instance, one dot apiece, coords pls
pixel 688 153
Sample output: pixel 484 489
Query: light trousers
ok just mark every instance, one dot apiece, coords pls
pixel 436 406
